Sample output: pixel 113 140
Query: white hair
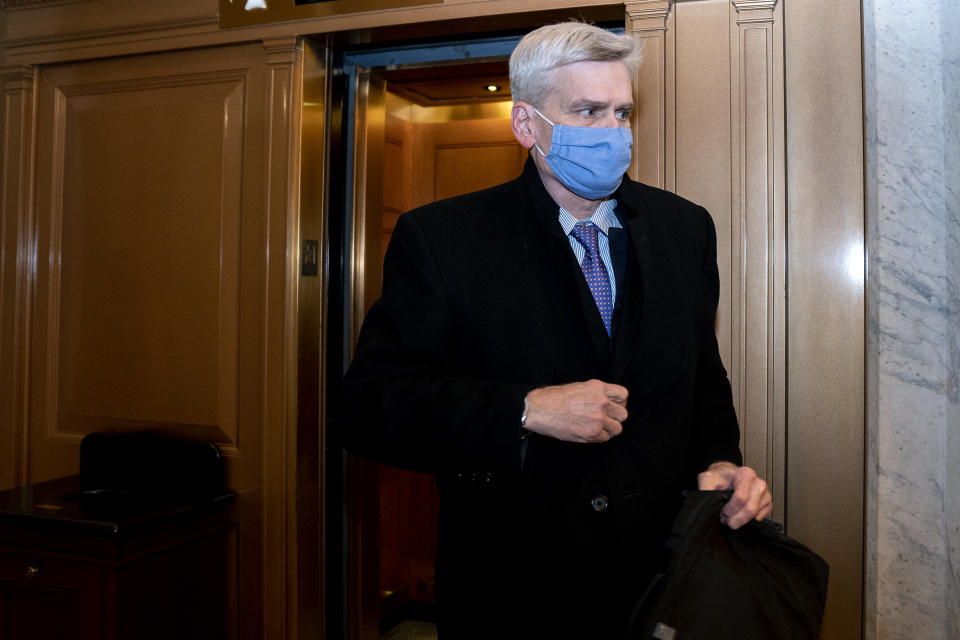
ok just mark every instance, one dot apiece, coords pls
pixel 543 50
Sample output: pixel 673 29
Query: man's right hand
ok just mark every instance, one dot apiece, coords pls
pixel 591 411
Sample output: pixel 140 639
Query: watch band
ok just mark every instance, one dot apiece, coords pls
pixel 524 432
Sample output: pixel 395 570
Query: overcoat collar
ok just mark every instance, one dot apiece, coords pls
pixel 579 301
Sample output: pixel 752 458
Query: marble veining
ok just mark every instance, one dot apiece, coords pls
pixel 950 43
pixel 913 177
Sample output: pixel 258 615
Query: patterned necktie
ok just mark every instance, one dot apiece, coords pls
pixel 594 270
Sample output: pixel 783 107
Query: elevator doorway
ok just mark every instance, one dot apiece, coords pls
pixel 446 132
pixel 420 131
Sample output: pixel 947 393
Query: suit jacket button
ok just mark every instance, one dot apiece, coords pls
pixel 599 503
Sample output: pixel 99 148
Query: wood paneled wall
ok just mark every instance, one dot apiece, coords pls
pixel 16 257
pixel 717 82
pixel 710 128
pixel 151 271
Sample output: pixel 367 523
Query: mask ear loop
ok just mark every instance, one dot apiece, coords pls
pixel 541 115
pixel 547 120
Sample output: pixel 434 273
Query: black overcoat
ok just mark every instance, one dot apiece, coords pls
pixel 483 301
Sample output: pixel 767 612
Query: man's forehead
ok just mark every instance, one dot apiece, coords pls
pixel 590 67
pixel 592 83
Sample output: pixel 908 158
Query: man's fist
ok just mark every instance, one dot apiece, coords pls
pixel 591 411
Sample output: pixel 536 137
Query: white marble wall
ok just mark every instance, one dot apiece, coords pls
pixel 912 80
pixel 950 41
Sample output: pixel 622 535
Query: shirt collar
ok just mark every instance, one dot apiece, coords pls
pixel 603 218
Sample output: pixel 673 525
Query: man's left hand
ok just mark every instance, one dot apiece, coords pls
pixel 751 496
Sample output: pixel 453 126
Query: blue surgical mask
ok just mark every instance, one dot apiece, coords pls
pixel 589 161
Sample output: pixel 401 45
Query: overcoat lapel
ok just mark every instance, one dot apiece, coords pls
pixel 654 291
pixel 635 308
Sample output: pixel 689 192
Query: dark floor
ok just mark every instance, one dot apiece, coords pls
pixel 412 630
pixel 410 620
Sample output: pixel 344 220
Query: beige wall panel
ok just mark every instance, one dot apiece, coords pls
pixel 826 319
pixel 724 149
pixel 759 290
pixel 703 137
pixel 653 112
pixel 755 282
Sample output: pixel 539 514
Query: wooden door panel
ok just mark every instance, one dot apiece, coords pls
pixel 139 216
pixel 465 167
pixel 148 261
pixel 455 157
pixel 157 305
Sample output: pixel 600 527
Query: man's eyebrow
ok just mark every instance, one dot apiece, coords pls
pixel 577 105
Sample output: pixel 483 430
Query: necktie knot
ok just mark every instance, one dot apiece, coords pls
pixel 586 234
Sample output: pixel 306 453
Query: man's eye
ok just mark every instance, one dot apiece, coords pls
pixel 589 112
pixel 623 114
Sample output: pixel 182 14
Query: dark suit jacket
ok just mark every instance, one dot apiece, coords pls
pixel 482 302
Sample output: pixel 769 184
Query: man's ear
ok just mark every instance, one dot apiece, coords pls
pixel 522 124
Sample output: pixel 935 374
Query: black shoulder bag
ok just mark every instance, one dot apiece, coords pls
pixel 754 582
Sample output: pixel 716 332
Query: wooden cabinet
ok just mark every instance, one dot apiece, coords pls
pixel 46 597
pixel 71 571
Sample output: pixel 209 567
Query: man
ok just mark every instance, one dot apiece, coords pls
pixel 547 348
